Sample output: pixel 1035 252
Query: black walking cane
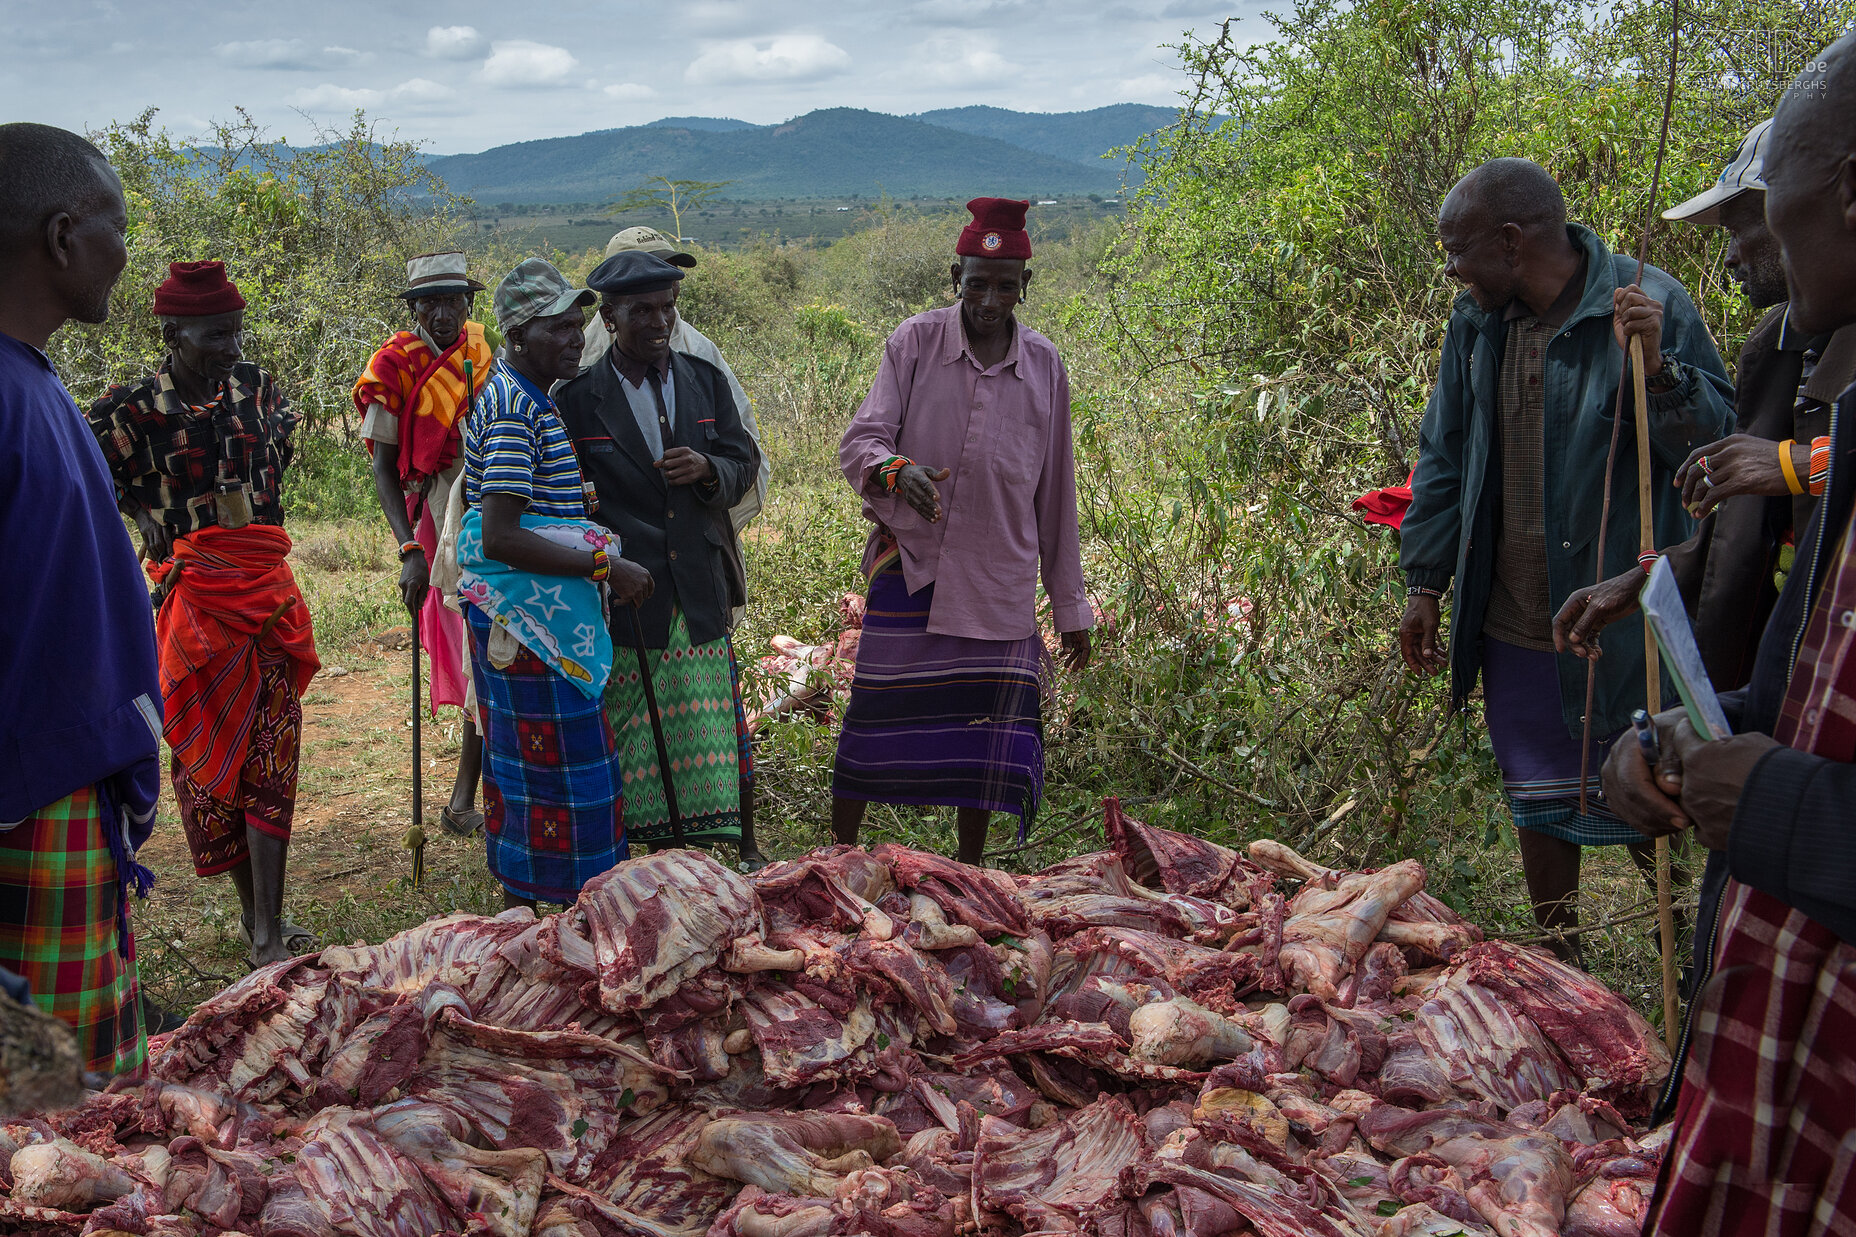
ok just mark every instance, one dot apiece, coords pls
pixel 415 839
pixel 657 730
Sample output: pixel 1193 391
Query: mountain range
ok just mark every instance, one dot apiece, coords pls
pixel 832 153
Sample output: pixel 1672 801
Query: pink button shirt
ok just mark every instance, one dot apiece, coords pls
pixel 1009 505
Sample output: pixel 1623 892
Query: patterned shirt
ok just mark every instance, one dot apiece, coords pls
pixel 166 455
pixel 1520 605
pixel 514 443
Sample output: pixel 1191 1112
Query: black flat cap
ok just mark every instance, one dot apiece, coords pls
pixel 633 271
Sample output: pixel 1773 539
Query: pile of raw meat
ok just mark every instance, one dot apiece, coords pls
pixel 1167 1037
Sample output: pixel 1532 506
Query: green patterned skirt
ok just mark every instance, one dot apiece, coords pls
pixel 705 731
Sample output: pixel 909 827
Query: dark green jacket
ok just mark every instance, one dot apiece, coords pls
pixel 1448 533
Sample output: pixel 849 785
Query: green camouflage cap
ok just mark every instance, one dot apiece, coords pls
pixel 536 289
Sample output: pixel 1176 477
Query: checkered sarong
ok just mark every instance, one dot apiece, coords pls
pixel 1765 1142
pixel 552 807
pixel 58 896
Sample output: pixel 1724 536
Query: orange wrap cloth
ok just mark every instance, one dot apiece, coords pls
pixel 426 393
pixel 231 583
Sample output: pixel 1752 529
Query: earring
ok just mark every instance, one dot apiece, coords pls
pixel 517 347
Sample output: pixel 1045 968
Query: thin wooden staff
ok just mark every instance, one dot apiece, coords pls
pixel 1665 908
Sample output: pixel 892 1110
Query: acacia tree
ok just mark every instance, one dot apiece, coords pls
pixel 674 196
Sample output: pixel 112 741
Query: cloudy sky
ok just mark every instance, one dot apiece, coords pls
pixel 467 75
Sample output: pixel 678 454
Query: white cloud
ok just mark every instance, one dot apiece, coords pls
pixel 629 90
pixel 453 42
pixel 347 55
pixel 415 92
pixel 423 90
pixel 962 60
pixel 787 58
pixel 519 62
pixel 267 54
pixel 328 97
pixel 1162 88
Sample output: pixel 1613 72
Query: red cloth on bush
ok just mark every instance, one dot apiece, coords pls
pixel 1387 506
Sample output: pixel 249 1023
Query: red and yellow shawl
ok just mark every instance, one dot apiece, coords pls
pixel 426 393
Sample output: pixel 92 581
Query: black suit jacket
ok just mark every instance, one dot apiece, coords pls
pixel 681 534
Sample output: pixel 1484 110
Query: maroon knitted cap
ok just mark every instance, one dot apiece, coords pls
pixel 197 290
pixel 997 230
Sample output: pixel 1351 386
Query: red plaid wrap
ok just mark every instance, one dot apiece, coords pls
pixel 1765 1131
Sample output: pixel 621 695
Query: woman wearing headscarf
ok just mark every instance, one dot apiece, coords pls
pixel 537 576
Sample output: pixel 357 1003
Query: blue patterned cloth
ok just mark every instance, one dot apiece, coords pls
pixel 560 619
pixel 553 810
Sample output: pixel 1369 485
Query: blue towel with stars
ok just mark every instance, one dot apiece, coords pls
pixel 560 619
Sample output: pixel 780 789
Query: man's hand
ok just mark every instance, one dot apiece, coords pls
pixel 157 543
pixel 630 584
pixel 1634 313
pixel 682 466
pixel 415 579
pixel 1417 636
pixel 1741 464
pixel 1076 646
pixel 916 484
pixel 1713 776
pixel 1645 798
pixel 1592 609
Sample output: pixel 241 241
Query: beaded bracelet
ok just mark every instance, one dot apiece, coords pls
pixel 890 470
pixel 602 564
pixel 408 547
pixel 1820 464
pixel 1786 466
pixel 1418 590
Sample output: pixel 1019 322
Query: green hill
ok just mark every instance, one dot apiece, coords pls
pixel 1080 137
pixel 837 152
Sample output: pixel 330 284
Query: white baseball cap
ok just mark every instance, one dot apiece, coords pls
pixel 1747 171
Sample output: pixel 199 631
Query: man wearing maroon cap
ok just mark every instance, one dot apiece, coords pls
pixel 198 451
pixel 962 456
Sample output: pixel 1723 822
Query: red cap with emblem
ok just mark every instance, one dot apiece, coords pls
pixel 997 230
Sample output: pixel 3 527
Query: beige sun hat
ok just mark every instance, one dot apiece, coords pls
pixel 433 274
pixel 650 240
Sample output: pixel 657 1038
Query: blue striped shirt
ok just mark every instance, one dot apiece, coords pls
pixel 514 443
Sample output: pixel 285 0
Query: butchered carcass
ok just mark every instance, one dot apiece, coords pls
pixel 223 1187
pixel 1493 1050
pixel 561 1091
pixel 650 924
pixel 1094 891
pixel 1422 1220
pixel 266 1034
pixel 1518 1179
pixel 1214 978
pixel 803 1040
pixel 62 1175
pixel 983 899
pixel 1617 1053
pixel 646 1170
pixel 1330 927
pixel 793 1153
pixel 1420 923
pixel 504 1187
pixel 350 1180
pixel 1162 859
pixel 1049 1179
pixel 1610 1206
pixel 451 949
pixel 836 887
pixel 1182 1032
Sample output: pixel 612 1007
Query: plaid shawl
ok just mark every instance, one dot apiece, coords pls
pixel 1763 1140
pixel 426 393
pixel 234 590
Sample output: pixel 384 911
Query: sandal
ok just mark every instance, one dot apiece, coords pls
pixel 751 864
pixel 460 824
pixel 297 940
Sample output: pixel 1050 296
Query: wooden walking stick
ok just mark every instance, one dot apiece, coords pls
pixel 1665 907
pixel 657 731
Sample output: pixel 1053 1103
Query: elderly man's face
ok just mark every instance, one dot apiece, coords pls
pixel 1752 253
pixel 641 323
pixel 442 315
pixel 208 347
pixel 1811 209
pixel 1477 253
